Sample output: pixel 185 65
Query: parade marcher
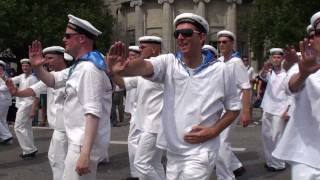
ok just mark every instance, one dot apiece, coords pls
pixel 87 104
pixel 5 102
pixel 117 106
pixel 227 162
pixel 147 116
pixel 55 58
pixel 196 88
pixel 212 49
pixel 26 111
pixel 299 145
pixel 274 105
pixel 250 70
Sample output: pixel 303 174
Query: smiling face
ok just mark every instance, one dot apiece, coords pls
pixel 276 60
pixel 55 62
pixel 225 45
pixel 72 41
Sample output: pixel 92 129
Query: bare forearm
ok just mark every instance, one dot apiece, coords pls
pixel 45 76
pixel 91 128
pixel 118 80
pixel 225 121
pixel 35 104
pixel 25 93
pixel 246 99
pixel 138 67
pixel 296 82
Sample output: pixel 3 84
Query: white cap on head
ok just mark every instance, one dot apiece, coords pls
pixel 211 48
pixel 53 50
pixel 67 57
pixel 278 51
pixel 315 19
pixel 83 27
pixel 309 29
pixel 226 33
pixel 25 60
pixel 150 39
pixel 2 63
pixel 134 49
pixel 194 19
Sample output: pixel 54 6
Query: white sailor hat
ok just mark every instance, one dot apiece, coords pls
pixel 134 48
pixel 83 27
pixel 67 57
pixel 25 60
pixel 226 33
pixel 309 29
pixel 2 63
pixel 211 48
pixel 315 19
pixel 194 19
pixel 276 51
pixel 53 50
pixel 150 39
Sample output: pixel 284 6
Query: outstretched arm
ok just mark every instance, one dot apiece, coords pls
pixel 14 91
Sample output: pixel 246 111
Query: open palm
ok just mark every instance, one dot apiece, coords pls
pixel 116 58
pixel 308 63
pixel 35 54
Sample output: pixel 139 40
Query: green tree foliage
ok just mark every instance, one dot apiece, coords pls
pixel 279 22
pixel 23 21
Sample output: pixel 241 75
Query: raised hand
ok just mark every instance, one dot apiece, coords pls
pixel 308 63
pixel 11 87
pixel 35 54
pixel 116 58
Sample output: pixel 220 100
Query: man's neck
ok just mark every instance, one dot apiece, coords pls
pixel 83 52
pixel 277 69
pixel 227 55
pixel 193 61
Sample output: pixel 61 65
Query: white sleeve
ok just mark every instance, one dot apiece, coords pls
pixel 232 99
pixel 60 78
pixel 242 77
pixel 16 79
pixel 39 88
pixel 160 64
pixel 130 82
pixel 292 71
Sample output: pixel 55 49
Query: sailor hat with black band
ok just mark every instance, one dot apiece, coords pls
pixel 25 60
pixel 150 39
pixel 83 27
pixel 53 50
pixel 134 49
pixel 226 33
pixel 2 63
pixel 211 48
pixel 67 57
pixel 309 29
pixel 276 51
pixel 194 19
pixel 315 20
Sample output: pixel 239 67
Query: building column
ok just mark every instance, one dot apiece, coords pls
pixel 139 22
pixel 201 8
pixel 121 24
pixel 232 17
pixel 167 25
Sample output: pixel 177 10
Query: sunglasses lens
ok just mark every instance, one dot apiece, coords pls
pixel 183 32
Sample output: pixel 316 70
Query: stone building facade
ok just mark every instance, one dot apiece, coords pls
pixel 135 18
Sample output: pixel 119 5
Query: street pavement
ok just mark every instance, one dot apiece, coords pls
pixel 245 141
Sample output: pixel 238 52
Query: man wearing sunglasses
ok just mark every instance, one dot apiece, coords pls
pixel 196 88
pixel 300 141
pixel 87 102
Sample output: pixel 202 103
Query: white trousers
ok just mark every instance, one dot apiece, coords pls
pixel 147 160
pixel 23 129
pixel 272 130
pixel 4 129
pixel 57 153
pixel 133 140
pixel 97 154
pixel 190 167
pixel 301 171
pixel 227 161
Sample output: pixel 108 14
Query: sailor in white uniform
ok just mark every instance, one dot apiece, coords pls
pixel 26 111
pixel 5 102
pixel 55 58
pixel 196 88
pixel 87 102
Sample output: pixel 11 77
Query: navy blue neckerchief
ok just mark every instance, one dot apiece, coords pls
pixel 234 54
pixel 93 56
pixel 207 60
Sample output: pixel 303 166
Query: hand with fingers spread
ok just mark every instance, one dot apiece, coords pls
pixel 11 87
pixel 308 63
pixel 116 58
pixel 290 57
pixel 35 54
pixel 199 134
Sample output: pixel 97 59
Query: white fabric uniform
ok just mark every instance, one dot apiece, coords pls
pixel 299 144
pixel 251 72
pixel 240 81
pixel 274 104
pixel 147 116
pixel 5 102
pixel 23 122
pixel 88 91
pixel 189 100
pixel 59 143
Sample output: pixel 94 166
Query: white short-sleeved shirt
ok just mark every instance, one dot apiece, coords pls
pixel 149 98
pixel 24 82
pixel 191 100
pixel 5 97
pixel 251 72
pixel 88 91
pixel 55 104
pixel 130 103
pixel 300 140
pixel 275 99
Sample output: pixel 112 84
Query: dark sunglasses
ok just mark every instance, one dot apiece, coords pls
pixel 184 33
pixel 69 35
pixel 222 42
pixel 317 33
